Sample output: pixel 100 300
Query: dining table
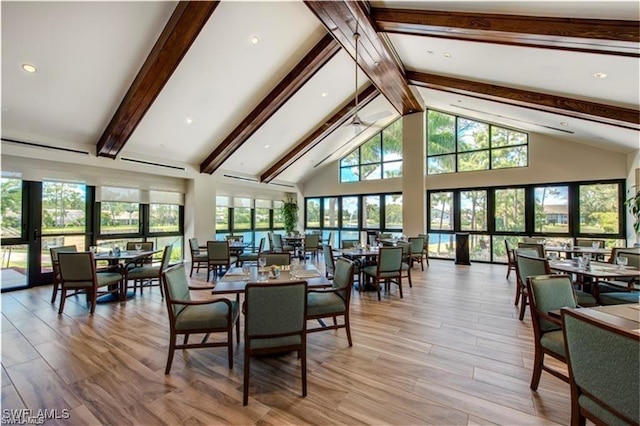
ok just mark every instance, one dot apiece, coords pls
pixel 595 270
pixel 361 257
pixel 297 242
pixel 570 251
pixel 235 280
pixel 626 316
pixel 116 259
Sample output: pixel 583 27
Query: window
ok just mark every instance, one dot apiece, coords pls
pixel 599 209
pixel 441 210
pixel 241 215
pixel 313 213
pixel 458 144
pixel 278 220
pixel 551 209
pixel 473 210
pixel 393 211
pixel 380 157
pixel 350 211
pixel 222 213
pixel 262 214
pixel 330 219
pixel 509 210
pixel 164 218
pixel 371 211
pixel 64 208
pixel 11 202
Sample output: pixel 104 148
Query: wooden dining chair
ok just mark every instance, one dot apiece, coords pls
pixel 548 293
pixel 511 261
pixel 276 258
pixel 310 245
pixel 188 316
pixel 219 257
pixel 198 258
pixel 149 275
pixel 57 281
pixel 275 322
pixel 603 370
pixel 527 264
pixel 425 247
pixel 334 302
pixel 387 270
pixel 78 272
pixel 251 257
pixel 417 251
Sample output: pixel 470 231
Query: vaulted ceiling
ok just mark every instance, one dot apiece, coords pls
pixel 266 90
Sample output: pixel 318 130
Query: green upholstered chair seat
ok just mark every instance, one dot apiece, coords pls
pixel 274 342
pixel 324 303
pixel 585 299
pixel 553 341
pixel 141 272
pixel 405 266
pixel 248 257
pixel 200 257
pixel 82 284
pixel 599 411
pixel 372 270
pixel 107 278
pixel 232 259
pixel 620 298
pixel 208 316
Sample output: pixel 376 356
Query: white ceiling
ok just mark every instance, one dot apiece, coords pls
pixel 88 53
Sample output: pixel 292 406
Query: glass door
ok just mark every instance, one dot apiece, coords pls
pixel 15 247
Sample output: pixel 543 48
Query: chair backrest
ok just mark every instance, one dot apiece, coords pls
pixel 603 365
pixel 276 258
pixel 511 256
pixel 390 259
pixel 385 236
pixel 417 245
pixel 144 245
pixel 349 243
pixel 277 243
pixel 406 249
pixel 425 239
pixel 549 293
pixel 536 246
pixel 633 259
pixel 616 250
pixel 373 240
pixel 533 240
pixel 583 242
pixel 330 238
pixel 236 238
pixel 275 314
pixel 343 278
pixel 77 267
pixel 218 250
pixel 329 264
pixel 194 247
pixel 528 266
pixel 311 241
pixel 53 251
pixel 176 287
pixel 166 257
pixel 261 246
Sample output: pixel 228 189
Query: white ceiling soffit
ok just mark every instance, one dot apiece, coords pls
pixel 577 130
pixel 558 72
pixel 86 54
pixel 224 76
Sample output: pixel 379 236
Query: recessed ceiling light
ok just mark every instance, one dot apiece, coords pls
pixel 564 123
pixel 447 55
pixel 430 52
pixel 189 120
pixel 266 146
pixel 324 94
pixel 29 68
pixel 254 40
pixel 600 75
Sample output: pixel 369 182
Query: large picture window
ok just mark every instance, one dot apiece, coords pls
pixel 458 144
pixel 11 203
pixel 380 157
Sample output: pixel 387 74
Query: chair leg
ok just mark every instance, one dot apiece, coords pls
pixel 537 369
pixel 230 346
pixel 508 270
pixel 400 285
pixel 93 296
pixel 186 339
pixel 245 380
pixel 191 273
pixel 303 365
pixel 55 293
pixel 377 283
pixel 347 328
pixel 523 305
pixel 517 294
pixel 63 297
pixel 172 348
pixel 409 277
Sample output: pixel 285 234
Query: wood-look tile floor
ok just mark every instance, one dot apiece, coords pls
pixel 451 352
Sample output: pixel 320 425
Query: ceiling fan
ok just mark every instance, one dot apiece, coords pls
pixel 356 122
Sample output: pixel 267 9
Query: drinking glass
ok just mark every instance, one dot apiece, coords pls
pixel 622 262
pixel 595 245
pixel 580 263
pixel 262 262
pixel 93 249
pixel 246 270
pixel 138 247
pixel 553 256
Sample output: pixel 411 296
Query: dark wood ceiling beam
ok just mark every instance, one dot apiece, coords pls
pixel 576 108
pixel 343 18
pixel 320 133
pixel 321 53
pixel 603 36
pixel 186 22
